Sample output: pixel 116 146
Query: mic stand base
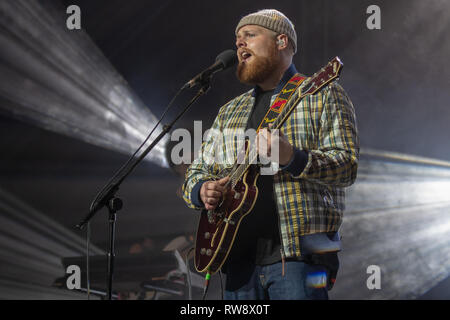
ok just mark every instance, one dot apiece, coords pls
pixel 114 205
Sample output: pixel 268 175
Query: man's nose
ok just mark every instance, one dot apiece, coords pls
pixel 240 43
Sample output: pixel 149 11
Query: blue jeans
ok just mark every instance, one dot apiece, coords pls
pixel 301 281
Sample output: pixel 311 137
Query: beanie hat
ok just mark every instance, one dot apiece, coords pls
pixel 273 20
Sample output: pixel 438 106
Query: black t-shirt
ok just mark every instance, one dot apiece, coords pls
pixel 258 238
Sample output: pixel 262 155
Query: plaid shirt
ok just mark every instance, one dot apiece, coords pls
pixel 323 125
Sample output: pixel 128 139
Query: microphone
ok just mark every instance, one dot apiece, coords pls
pixel 224 61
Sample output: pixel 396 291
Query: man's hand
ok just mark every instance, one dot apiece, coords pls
pixel 211 192
pixel 266 140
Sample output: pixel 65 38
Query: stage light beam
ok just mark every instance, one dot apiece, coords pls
pixel 58 79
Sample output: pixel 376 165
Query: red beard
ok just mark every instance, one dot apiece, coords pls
pixel 259 69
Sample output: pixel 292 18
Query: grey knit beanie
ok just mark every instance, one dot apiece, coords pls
pixel 273 20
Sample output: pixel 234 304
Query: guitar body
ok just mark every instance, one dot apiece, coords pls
pixel 217 229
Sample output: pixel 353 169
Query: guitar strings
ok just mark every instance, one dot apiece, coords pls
pixel 240 169
pixel 237 174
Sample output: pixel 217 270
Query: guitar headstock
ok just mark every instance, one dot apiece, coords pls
pixel 324 76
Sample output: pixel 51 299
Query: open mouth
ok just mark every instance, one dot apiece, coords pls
pixel 245 56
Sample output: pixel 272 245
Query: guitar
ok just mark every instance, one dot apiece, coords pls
pixel 218 228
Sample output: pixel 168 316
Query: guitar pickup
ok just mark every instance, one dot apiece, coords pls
pixel 204 251
pixel 237 195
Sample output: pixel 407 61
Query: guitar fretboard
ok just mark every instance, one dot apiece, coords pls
pixel 252 155
pixel 321 78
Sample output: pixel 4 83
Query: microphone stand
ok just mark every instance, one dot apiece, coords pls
pixel 114 204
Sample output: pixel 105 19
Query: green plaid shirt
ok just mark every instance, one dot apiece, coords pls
pixel 324 125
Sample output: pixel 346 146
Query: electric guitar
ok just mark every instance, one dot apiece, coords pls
pixel 218 228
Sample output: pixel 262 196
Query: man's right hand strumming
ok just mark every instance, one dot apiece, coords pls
pixel 211 192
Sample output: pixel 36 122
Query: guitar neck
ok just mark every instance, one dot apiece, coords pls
pixel 252 155
pixel 327 74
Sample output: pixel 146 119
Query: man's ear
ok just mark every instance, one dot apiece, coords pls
pixel 282 41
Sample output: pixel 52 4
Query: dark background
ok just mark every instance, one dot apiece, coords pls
pixel 397 77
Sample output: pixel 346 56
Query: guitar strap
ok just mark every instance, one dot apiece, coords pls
pixel 281 100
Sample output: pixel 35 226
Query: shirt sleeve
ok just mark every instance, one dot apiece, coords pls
pixel 335 161
pixel 297 163
pixel 204 167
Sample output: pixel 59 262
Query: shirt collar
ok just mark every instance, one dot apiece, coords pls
pixel 288 74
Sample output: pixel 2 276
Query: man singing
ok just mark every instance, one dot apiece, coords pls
pixel 286 246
